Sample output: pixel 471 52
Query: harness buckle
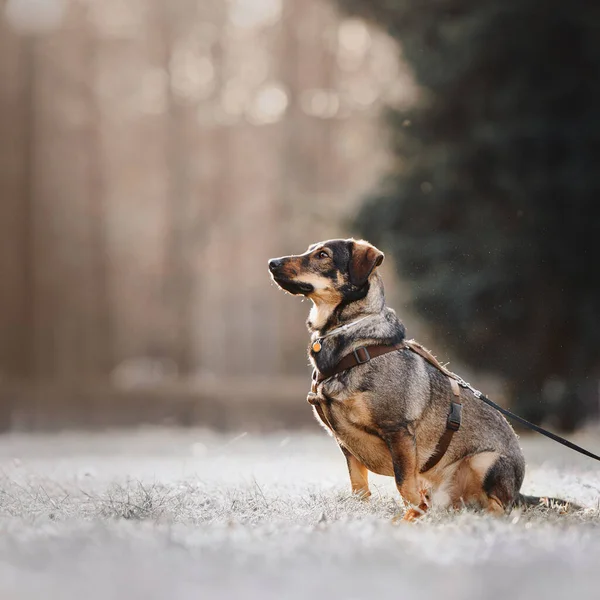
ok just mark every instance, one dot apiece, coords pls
pixel 357 357
pixel 455 416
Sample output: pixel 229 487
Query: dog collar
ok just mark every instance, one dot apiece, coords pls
pixel 318 343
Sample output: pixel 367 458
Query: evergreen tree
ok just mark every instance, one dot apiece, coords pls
pixel 492 208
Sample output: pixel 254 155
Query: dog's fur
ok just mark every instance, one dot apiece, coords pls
pixel 388 415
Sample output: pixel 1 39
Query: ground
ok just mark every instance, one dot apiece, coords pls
pixel 178 514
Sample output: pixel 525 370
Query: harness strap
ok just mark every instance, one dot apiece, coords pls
pixel 430 358
pixel 454 418
pixel 452 425
pixel 360 356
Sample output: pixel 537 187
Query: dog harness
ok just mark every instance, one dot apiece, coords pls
pixel 364 354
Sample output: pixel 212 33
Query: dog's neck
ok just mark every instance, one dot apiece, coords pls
pixel 331 341
pixel 325 316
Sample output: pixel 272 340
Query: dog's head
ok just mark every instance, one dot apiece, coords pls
pixel 328 272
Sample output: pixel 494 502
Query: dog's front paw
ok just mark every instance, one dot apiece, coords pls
pixel 411 514
pixel 362 494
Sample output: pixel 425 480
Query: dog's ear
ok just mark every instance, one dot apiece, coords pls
pixel 364 257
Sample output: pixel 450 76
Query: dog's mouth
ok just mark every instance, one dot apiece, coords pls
pixel 298 288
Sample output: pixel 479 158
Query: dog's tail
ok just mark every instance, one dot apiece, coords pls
pixel 526 502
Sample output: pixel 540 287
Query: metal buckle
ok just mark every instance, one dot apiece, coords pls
pixel 455 416
pixel 357 357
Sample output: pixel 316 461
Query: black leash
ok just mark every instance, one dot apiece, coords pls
pixel 537 428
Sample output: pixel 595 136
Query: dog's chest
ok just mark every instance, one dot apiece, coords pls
pixel 351 422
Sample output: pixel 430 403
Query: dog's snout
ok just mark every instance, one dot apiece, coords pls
pixel 274 264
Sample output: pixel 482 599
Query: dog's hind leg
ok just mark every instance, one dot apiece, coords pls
pixel 502 483
pixel 467 484
pixel 487 480
pixel 359 475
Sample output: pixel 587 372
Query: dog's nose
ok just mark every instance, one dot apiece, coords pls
pixel 274 264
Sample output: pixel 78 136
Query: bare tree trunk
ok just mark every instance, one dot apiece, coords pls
pixel 26 367
pixel 217 143
pixel 178 274
pixel 17 137
pixel 101 354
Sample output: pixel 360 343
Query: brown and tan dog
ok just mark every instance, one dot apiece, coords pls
pixel 388 414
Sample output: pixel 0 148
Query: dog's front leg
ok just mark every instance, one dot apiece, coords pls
pixel 403 450
pixel 359 475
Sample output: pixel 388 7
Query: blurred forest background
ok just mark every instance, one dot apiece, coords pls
pixel 155 153
pixel 492 206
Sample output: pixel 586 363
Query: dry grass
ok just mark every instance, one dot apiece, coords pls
pixel 165 514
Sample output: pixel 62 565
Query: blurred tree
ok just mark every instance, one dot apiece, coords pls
pixel 491 209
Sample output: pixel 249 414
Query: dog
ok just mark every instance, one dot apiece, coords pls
pixel 391 410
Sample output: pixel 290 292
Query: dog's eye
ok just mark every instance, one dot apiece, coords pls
pixel 322 254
